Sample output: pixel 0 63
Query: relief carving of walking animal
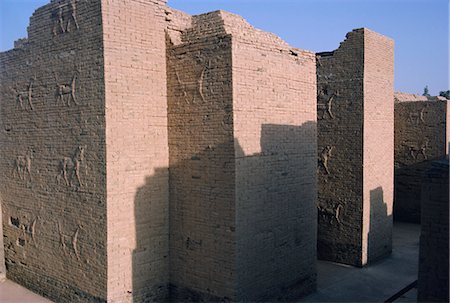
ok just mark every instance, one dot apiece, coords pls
pixel 325 156
pixel 325 103
pixel 21 96
pixel 417 118
pixel 22 167
pixel 67 91
pixel 70 168
pixel 69 242
pixel 331 214
pixel 415 151
pixel 192 90
pixel 62 12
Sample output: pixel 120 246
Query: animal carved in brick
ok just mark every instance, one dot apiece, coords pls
pixel 22 167
pixel 331 214
pixel 70 168
pixel 72 15
pixel 69 243
pixel 325 103
pixel 192 90
pixel 61 14
pixel 67 91
pixel 417 118
pixel 21 96
pixel 416 151
pixel 325 156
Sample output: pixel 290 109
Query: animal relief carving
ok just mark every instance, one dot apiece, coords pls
pixel 69 242
pixel 67 91
pixel 331 214
pixel 417 118
pixel 420 150
pixel 64 16
pixel 22 167
pixel 325 156
pixel 70 168
pixel 325 103
pixel 26 95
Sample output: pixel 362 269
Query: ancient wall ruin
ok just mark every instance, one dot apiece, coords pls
pixel 53 155
pixel 355 141
pixel 242 139
pixel 101 101
pixel 433 256
pixel 420 137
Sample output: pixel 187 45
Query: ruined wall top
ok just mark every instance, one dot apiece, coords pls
pixel 406 97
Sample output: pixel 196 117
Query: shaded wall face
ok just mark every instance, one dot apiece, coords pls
pixel 137 150
pixel 202 169
pixel 274 118
pixel 433 284
pixel 420 136
pixel 52 154
pixel 378 140
pixel 340 151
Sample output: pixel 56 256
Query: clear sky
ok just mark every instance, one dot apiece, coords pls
pixel 420 28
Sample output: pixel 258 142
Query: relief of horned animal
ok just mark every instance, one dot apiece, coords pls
pixel 420 149
pixel 331 214
pixel 66 90
pixel 325 102
pixel 417 118
pixel 26 230
pixel 193 90
pixel 70 168
pixel 22 166
pixel 325 156
pixel 69 242
pixel 25 95
pixel 62 13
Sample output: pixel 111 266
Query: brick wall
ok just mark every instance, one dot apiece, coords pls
pixel 420 137
pixel 239 129
pixel 355 139
pixel 137 150
pixel 433 254
pixel 52 154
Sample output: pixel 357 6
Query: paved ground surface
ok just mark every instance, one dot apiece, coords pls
pixel 336 282
pixel 378 282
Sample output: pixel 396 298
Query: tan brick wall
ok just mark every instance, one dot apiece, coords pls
pixel 274 115
pixel 137 150
pixel 340 76
pixel 355 146
pixel 55 227
pixel 420 136
pixel 378 140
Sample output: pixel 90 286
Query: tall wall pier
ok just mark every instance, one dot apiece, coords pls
pixel 355 149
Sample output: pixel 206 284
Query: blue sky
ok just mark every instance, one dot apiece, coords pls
pixel 420 28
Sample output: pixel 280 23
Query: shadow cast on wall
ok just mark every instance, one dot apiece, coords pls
pixel 380 227
pixel 258 243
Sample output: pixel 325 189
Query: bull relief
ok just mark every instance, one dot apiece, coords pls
pixel 417 118
pixel 22 167
pixel 23 96
pixel 325 103
pixel 66 91
pixel 419 151
pixel 193 88
pixel 331 215
pixel 65 18
pixel 70 168
pixel 69 242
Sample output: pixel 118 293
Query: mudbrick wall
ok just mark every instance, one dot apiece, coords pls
pixel 355 140
pixel 242 156
pixel 433 255
pixel 52 154
pixel 420 137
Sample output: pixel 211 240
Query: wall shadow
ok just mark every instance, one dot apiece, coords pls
pixel 238 223
pixel 380 228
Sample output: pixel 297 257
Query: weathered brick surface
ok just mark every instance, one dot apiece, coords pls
pixel 433 282
pixel 137 150
pixel 420 137
pixel 53 156
pixel 242 156
pixel 2 251
pixel 355 143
